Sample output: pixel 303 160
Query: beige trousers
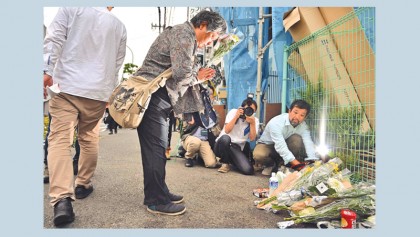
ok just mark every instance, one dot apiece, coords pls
pixel 264 154
pixel 67 112
pixel 194 145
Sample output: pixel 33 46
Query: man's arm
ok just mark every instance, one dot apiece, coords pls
pixel 121 53
pixel 253 128
pixel 231 119
pixel 54 40
pixel 280 145
pixel 184 71
pixel 181 53
pixel 53 45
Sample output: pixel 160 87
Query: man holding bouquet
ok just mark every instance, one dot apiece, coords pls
pixel 174 48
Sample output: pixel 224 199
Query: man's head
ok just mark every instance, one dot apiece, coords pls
pixel 298 112
pixel 209 25
pixel 249 102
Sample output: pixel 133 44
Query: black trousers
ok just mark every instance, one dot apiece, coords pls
pixel 231 153
pixel 153 137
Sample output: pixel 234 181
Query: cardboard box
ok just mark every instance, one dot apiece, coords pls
pixel 295 61
pixel 320 57
pixel 357 55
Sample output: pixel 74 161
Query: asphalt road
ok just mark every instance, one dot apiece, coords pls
pixel 213 199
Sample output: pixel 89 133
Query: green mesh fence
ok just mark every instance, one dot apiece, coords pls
pixel 334 70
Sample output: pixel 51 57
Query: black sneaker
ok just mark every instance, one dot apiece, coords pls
pixel 176 198
pixel 63 212
pixel 75 167
pixel 46 175
pixel 189 163
pixel 170 209
pixel 82 192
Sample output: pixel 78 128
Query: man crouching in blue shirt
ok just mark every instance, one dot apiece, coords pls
pixel 286 140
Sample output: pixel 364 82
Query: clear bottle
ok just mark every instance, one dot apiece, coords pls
pixel 273 184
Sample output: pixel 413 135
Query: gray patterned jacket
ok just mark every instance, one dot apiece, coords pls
pixel 176 47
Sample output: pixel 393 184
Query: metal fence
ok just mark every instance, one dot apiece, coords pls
pixel 273 88
pixel 334 70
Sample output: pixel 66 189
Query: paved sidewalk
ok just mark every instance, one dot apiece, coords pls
pixel 213 199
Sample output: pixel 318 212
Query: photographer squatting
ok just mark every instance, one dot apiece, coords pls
pixel 231 145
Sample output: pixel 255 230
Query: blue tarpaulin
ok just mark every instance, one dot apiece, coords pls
pixel 241 65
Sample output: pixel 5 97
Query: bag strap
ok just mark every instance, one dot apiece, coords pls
pixel 166 74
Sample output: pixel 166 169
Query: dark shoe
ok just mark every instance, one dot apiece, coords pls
pixel 63 212
pixel 75 167
pixel 170 209
pixel 46 175
pixel 110 133
pixel 176 198
pixel 189 163
pixel 82 192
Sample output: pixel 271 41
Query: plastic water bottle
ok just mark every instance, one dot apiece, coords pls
pixel 273 183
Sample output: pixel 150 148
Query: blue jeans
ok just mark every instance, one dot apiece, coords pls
pixel 231 153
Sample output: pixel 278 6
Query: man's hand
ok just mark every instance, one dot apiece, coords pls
pixel 239 112
pixel 297 165
pixel 48 81
pixel 250 119
pixel 191 122
pixel 205 74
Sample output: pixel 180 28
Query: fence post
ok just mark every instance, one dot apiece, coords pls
pixel 284 81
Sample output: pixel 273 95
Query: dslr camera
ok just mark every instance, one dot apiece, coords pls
pixel 248 111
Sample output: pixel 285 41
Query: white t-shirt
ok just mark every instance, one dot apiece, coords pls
pixel 240 132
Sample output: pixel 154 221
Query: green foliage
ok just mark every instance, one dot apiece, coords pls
pixel 46 121
pixel 343 125
pixel 129 68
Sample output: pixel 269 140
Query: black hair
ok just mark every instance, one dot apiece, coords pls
pixel 301 104
pixel 249 102
pixel 213 20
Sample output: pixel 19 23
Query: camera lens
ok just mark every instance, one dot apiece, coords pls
pixel 248 111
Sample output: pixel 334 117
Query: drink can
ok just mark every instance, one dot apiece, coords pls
pixel 348 219
pixel 261 192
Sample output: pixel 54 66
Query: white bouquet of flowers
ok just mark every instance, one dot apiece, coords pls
pixel 224 45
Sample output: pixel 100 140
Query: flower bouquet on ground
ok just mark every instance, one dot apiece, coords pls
pixel 364 206
pixel 224 45
pixel 296 184
pixel 318 193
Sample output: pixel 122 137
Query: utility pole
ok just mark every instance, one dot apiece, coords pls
pixel 160 26
pixel 261 51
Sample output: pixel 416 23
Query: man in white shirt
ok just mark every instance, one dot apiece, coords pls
pixel 231 145
pixel 286 139
pixel 84 49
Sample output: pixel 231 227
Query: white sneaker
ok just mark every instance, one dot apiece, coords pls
pixel 267 170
